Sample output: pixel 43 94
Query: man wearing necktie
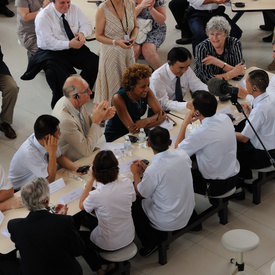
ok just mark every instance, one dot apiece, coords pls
pixel 80 130
pixel 61 29
pixel 170 82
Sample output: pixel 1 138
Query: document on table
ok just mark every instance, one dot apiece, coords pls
pixel 71 196
pixel 57 185
pixel 115 147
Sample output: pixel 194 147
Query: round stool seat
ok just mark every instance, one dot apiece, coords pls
pixel 240 240
pixel 272 269
pixel 120 255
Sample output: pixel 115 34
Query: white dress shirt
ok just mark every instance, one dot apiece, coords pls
pixel 30 161
pixel 262 117
pixel 112 204
pixel 167 188
pixel 50 31
pixel 198 5
pixel 5 183
pixel 163 83
pixel 215 146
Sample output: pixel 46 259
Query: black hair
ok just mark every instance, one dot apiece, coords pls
pixel 45 125
pixel 205 103
pixel 259 78
pixel 159 139
pixel 178 54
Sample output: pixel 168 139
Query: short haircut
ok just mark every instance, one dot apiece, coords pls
pixel 205 103
pixel 34 193
pixel 159 139
pixel 218 23
pixel 45 125
pixel 69 89
pixel 133 74
pixel 259 78
pixel 105 167
pixel 180 54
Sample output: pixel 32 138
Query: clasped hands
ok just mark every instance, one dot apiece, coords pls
pixel 103 111
pixel 78 41
pixel 138 167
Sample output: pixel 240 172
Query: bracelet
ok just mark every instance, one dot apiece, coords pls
pixel 228 77
pixel 224 65
pixel 114 42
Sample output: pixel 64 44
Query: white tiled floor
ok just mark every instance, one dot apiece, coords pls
pixel 198 253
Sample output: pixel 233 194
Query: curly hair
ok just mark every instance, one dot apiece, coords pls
pixel 218 23
pixel 133 74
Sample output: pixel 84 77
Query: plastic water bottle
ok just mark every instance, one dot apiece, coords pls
pixel 127 146
pixel 142 139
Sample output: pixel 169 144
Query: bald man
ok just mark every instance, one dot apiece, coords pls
pixel 80 130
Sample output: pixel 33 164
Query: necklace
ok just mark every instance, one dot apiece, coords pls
pixel 124 29
pixel 136 102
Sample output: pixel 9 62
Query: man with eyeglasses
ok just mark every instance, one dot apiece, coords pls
pixel 80 130
pixel 170 82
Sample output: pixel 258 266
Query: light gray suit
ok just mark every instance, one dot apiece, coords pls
pixel 73 142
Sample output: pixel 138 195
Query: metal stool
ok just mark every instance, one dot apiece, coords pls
pixel 120 258
pixel 240 241
pixel 272 268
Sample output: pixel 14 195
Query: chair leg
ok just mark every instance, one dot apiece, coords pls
pixel 162 251
pixel 257 192
pixel 223 213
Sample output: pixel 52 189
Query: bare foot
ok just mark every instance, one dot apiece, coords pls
pixel 100 272
pixel 110 267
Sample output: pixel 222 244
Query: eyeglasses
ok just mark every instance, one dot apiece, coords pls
pixel 85 92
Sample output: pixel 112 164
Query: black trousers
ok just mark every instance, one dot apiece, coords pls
pixel 178 8
pixel 148 236
pixel 267 21
pixel 57 72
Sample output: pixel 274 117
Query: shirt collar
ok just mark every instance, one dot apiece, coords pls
pixel 160 155
pixel 259 98
pixel 169 72
pixel 41 148
pixel 57 12
pixel 78 112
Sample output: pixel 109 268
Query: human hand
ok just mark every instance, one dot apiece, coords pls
pixel 246 109
pixel 134 129
pixel 136 167
pixel 75 43
pixel 220 1
pixel 45 3
pixel 189 105
pixel 145 3
pixel 100 111
pixel 81 37
pixel 152 4
pixel 51 144
pixel 61 209
pixel 122 44
pixel 14 202
pixel 239 69
pixel 211 60
pixel 242 92
pixel 110 113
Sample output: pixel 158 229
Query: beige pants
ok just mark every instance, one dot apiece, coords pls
pixel 9 90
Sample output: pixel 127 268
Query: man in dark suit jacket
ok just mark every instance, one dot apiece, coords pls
pixel 48 243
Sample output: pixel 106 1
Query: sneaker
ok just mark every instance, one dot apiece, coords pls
pixel 147 251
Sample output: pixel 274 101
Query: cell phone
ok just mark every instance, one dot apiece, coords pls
pixel 129 43
pixel 83 169
pixel 240 4
pixel 133 139
pixel 146 161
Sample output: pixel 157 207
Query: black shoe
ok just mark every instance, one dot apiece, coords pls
pixel 268 38
pixel 8 131
pixel 240 196
pixel 147 251
pixel 177 27
pixel 184 41
pixel 265 28
pixel 7 12
pixel 197 228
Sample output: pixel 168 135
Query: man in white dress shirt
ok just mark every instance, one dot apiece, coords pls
pixel 167 191
pixel 80 130
pixel 163 81
pixel 251 154
pixel 61 29
pixel 215 146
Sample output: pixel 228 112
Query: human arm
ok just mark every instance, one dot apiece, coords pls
pixel 158 13
pixel 137 168
pixel 6 194
pixel 88 188
pixel 61 209
pixel 11 203
pixel 241 138
pixel 190 117
pixel 99 31
pixel 68 164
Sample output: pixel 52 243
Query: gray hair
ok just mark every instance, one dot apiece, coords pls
pixel 218 23
pixel 34 193
pixel 69 89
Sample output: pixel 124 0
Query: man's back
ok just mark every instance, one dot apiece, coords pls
pixel 168 190
pixel 48 243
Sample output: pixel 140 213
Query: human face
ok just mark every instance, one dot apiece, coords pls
pixel 273 55
pixel 217 39
pixel 57 133
pixel 179 68
pixel 62 6
pixel 141 89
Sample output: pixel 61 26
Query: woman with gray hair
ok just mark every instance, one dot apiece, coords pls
pixel 220 55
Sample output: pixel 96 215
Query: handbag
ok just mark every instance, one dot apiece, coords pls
pixel 145 26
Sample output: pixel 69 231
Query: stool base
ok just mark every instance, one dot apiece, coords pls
pixel 241 266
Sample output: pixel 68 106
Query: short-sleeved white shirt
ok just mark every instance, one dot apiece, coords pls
pixel 112 204
pixel 5 183
pixel 167 188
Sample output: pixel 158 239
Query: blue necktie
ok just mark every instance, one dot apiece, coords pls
pixel 178 90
